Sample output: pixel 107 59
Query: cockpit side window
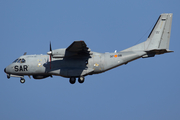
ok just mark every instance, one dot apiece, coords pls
pixel 19 61
pixel 15 61
pixel 23 60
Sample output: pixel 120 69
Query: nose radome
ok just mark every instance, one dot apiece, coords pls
pixel 5 70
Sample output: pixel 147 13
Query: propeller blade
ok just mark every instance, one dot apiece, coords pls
pixel 50 61
pixel 50 52
pixel 50 55
pixel 50 47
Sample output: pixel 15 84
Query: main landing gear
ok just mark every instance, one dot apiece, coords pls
pixel 72 80
pixel 81 79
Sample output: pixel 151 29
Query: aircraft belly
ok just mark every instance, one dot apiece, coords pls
pixel 130 56
pixel 71 72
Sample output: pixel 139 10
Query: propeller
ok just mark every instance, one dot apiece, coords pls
pixel 50 47
pixel 50 55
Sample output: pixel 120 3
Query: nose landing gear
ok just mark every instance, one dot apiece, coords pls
pixel 22 80
pixel 8 76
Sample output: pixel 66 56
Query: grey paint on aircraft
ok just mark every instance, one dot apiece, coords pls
pixel 78 61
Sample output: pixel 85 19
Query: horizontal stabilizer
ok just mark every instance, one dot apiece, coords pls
pixel 160 51
pixel 152 53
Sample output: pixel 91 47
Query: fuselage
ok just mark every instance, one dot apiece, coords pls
pixel 67 66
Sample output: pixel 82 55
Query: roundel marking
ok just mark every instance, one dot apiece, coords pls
pixel 115 56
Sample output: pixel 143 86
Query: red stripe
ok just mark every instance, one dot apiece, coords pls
pixel 50 61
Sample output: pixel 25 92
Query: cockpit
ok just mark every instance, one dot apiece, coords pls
pixel 20 60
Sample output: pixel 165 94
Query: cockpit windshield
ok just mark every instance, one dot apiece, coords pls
pixel 15 61
pixel 20 60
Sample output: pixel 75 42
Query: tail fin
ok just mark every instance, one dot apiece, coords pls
pixel 158 39
pixel 160 35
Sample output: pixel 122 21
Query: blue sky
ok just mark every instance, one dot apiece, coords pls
pixel 145 89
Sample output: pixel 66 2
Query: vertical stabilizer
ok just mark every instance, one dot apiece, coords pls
pixel 159 37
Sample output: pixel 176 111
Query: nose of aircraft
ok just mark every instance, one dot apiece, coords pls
pixel 5 70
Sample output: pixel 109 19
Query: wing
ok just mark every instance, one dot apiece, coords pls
pixel 79 48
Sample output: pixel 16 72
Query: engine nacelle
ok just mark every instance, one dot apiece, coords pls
pixel 40 76
pixel 60 53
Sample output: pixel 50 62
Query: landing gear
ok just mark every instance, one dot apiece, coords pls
pixel 8 76
pixel 81 79
pixel 72 80
pixel 22 80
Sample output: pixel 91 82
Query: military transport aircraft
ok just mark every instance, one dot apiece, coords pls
pixel 78 61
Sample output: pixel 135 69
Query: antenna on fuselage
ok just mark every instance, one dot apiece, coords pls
pixel 25 53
